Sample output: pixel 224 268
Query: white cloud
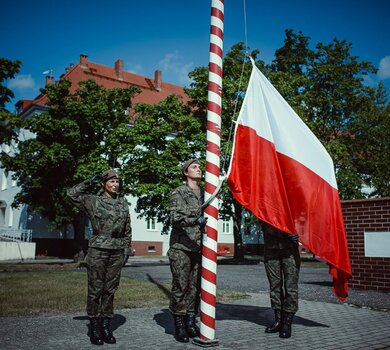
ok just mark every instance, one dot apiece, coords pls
pixel 22 82
pixel 172 65
pixel 135 68
pixel 384 68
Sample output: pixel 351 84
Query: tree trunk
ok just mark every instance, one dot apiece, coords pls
pixel 238 248
pixel 79 236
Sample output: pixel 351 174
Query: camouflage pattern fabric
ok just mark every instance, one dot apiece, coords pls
pixel 111 237
pixel 185 281
pixel 104 271
pixel 282 264
pixel 185 247
pixel 184 208
pixel 109 217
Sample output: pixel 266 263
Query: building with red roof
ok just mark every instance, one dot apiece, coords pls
pixel 153 90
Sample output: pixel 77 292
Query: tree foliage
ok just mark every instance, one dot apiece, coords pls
pixel 69 145
pixel 152 151
pixel 8 70
pixel 326 88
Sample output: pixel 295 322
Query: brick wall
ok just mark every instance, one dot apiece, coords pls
pixel 368 215
pixel 147 248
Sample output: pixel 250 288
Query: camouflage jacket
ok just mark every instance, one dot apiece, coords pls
pixel 184 208
pixel 276 239
pixel 110 217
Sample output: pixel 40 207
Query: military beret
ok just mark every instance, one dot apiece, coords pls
pixel 109 174
pixel 187 163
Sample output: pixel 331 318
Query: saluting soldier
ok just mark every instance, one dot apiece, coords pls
pixel 282 264
pixel 184 253
pixel 110 219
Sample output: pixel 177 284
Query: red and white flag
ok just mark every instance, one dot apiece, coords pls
pixel 282 173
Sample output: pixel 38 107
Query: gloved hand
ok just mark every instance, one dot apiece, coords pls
pixel 130 251
pixel 293 238
pixel 201 221
pixel 94 179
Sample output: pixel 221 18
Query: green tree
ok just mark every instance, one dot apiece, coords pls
pixel 8 70
pixel 325 87
pixel 70 145
pixel 371 130
pixel 152 150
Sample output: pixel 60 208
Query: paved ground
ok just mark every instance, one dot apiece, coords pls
pixel 315 283
pixel 239 325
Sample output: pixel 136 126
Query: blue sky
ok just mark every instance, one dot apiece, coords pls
pixel 173 35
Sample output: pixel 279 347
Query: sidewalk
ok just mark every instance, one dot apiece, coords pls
pixel 239 325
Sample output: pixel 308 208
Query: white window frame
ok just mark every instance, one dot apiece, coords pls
pixel 226 227
pixel 10 217
pixel 4 180
pixel 151 224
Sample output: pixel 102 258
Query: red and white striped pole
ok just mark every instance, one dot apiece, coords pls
pixel 210 239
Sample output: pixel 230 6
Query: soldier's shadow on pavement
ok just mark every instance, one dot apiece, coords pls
pixel 260 315
pixel 320 283
pixel 255 314
pixel 117 321
pixel 164 319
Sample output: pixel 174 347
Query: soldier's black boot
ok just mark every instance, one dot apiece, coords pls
pixel 108 337
pixel 277 325
pixel 94 331
pixel 285 331
pixel 191 327
pixel 180 329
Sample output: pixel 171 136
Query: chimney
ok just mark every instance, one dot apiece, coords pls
pixel 83 61
pixel 119 69
pixel 48 80
pixel 157 80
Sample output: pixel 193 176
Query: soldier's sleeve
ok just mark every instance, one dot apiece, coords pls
pixel 128 231
pixel 79 195
pixel 180 214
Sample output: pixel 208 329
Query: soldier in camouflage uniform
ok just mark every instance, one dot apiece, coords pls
pixel 184 253
pixel 110 219
pixel 282 263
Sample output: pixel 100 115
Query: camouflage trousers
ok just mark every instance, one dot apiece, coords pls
pixel 104 272
pixel 185 281
pixel 282 268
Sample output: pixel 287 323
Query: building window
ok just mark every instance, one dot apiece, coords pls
pixel 151 249
pixel 4 179
pixel 10 217
pixel 151 224
pixel 2 216
pixel 226 227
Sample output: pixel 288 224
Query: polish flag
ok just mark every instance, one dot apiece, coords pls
pixel 282 173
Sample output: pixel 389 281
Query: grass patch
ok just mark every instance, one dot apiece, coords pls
pixel 38 267
pixel 55 292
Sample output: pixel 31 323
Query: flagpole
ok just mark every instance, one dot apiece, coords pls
pixel 210 238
